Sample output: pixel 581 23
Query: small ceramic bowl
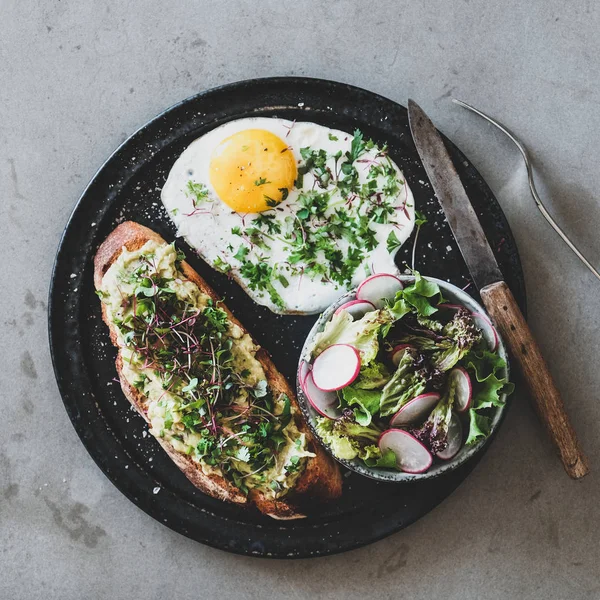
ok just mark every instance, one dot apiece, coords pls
pixel 453 295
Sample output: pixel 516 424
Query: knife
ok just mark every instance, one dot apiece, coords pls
pixel 495 294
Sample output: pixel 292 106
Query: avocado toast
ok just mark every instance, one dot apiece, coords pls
pixel 213 399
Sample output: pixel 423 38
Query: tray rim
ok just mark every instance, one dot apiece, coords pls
pixel 90 446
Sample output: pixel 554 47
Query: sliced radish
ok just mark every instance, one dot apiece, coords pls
pixel 487 329
pixel 303 371
pixel 377 288
pixel 455 439
pixel 398 351
pixel 356 308
pixel 415 410
pixel 464 390
pixel 411 455
pixel 325 403
pixel 336 367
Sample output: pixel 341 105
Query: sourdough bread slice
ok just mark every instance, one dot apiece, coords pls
pixel 321 479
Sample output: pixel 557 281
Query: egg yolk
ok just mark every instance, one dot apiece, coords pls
pixel 252 170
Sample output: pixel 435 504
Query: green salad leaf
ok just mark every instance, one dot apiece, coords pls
pixel 366 403
pixel 343 447
pixel 482 363
pixel 479 427
pixel 346 438
pixel 361 334
pixel 424 287
pixel 405 384
pixel 375 458
pixel 463 335
pixel 489 392
pixel 434 432
pixel 448 346
pixel 429 323
pixel 423 295
pixel 373 376
pixel 399 307
pixel 484 366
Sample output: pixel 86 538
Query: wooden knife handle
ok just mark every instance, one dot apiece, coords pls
pixel 504 311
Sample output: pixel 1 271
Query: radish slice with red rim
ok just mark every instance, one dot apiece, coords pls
pixel 464 390
pixel 455 439
pixel 415 410
pixel 398 351
pixel 336 367
pixel 303 370
pixel 356 308
pixel 487 329
pixel 325 403
pixel 378 288
pixel 411 455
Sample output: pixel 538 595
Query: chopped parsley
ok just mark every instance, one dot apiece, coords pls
pixel 271 201
pixel 260 276
pixel 198 192
pixel 420 220
pixel 319 219
pixel 221 265
pixel 241 253
pixel 393 243
pixel 268 222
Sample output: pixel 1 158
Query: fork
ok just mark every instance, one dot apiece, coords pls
pixel 534 193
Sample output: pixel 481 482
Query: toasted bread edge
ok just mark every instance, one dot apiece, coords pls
pixel 321 480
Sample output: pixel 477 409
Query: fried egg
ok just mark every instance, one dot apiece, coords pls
pixel 296 212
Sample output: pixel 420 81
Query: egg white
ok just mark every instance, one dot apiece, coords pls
pixel 208 228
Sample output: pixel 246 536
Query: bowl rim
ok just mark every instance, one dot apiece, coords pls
pixel 439 467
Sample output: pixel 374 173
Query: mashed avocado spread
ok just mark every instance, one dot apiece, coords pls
pixel 207 394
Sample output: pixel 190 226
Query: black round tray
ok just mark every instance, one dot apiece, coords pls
pixel 128 186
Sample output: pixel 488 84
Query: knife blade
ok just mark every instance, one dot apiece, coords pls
pixel 495 294
pixel 451 194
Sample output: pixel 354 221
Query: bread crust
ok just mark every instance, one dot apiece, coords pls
pixel 320 481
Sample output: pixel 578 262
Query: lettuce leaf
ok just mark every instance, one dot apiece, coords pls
pixel 431 324
pixel 366 401
pixel 362 334
pixel 484 366
pixel 405 384
pixel 482 363
pixel 348 439
pixel 333 331
pixel 372 376
pixel 425 287
pixel 373 457
pixel 341 446
pixel 399 307
pixel 488 394
pixel 479 427
pixel 434 431
pixel 463 335
pixel 421 294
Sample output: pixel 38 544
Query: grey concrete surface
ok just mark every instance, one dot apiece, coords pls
pixel 76 78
